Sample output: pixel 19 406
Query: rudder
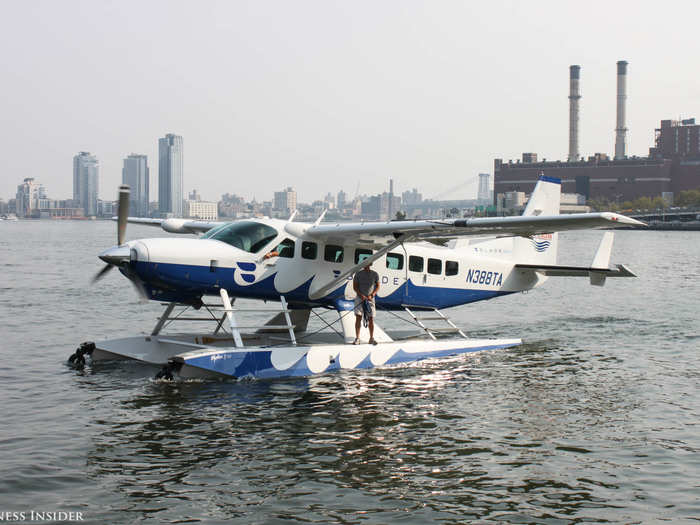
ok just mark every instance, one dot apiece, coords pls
pixel 544 201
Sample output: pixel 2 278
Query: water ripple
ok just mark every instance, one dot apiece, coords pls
pixel 593 419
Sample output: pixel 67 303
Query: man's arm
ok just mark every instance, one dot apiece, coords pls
pixel 376 288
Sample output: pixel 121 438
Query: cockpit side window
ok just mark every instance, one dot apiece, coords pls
pixel 245 235
pixel 286 248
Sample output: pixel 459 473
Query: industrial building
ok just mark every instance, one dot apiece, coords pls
pixel 673 164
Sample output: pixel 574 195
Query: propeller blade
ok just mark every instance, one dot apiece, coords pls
pixel 140 290
pixel 123 213
pixel 99 275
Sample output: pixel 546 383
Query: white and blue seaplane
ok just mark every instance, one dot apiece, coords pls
pixel 425 266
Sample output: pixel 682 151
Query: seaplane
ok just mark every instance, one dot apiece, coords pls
pixel 297 269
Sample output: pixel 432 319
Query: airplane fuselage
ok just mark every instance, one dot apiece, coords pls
pixel 414 274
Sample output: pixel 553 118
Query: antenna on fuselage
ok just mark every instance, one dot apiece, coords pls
pixel 292 215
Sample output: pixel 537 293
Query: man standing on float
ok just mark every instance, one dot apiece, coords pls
pixel 366 285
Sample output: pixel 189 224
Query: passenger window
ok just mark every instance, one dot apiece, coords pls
pixel 333 253
pixel 286 248
pixel 361 254
pixel 435 266
pixel 309 250
pixel 415 263
pixel 451 268
pixel 394 261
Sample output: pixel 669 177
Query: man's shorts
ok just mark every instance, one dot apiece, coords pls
pixel 358 306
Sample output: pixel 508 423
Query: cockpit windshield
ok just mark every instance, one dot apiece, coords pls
pixel 249 236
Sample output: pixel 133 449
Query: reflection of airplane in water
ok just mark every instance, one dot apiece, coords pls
pixel 424 266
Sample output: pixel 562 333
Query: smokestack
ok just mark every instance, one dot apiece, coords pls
pixel 621 130
pixel 574 97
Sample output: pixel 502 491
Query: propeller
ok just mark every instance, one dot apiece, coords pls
pixel 122 213
pixel 119 254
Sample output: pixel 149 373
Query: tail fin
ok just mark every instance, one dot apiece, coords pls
pixel 540 249
pixel 545 197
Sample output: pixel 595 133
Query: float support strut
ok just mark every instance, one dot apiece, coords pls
pixel 231 319
pixel 162 319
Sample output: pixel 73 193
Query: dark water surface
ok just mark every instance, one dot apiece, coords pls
pixel 596 418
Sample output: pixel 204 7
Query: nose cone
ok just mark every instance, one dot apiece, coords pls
pixel 116 255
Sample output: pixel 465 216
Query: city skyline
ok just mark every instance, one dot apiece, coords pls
pixel 136 174
pixel 278 94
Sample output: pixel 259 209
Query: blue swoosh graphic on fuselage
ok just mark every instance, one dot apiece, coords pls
pixel 541 246
pixel 182 283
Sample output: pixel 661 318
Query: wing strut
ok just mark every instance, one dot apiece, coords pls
pixel 376 255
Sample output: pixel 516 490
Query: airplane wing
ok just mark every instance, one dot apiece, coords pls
pixel 143 220
pixel 177 225
pixel 379 233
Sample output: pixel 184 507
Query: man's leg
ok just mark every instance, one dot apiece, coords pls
pixel 358 324
pixel 370 324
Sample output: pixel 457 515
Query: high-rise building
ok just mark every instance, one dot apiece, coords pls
pixel 285 200
pixel 388 205
pixel 86 170
pixel 411 197
pixel 341 199
pixel 135 173
pixel 170 175
pixel 484 193
pixel 390 210
pixel 27 199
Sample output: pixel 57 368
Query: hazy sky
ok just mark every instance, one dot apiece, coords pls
pixel 321 95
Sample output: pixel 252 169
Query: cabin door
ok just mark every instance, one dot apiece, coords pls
pixel 405 276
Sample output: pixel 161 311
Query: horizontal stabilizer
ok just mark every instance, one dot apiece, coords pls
pixel 597 275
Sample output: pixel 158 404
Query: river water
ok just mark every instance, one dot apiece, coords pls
pixel 595 418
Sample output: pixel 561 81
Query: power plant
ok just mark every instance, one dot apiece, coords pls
pixel 672 166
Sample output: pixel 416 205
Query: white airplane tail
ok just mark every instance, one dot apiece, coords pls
pixel 540 249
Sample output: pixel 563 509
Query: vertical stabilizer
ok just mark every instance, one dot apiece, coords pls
pixel 545 197
pixel 540 249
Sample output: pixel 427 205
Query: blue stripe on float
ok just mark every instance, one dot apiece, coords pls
pixel 258 363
